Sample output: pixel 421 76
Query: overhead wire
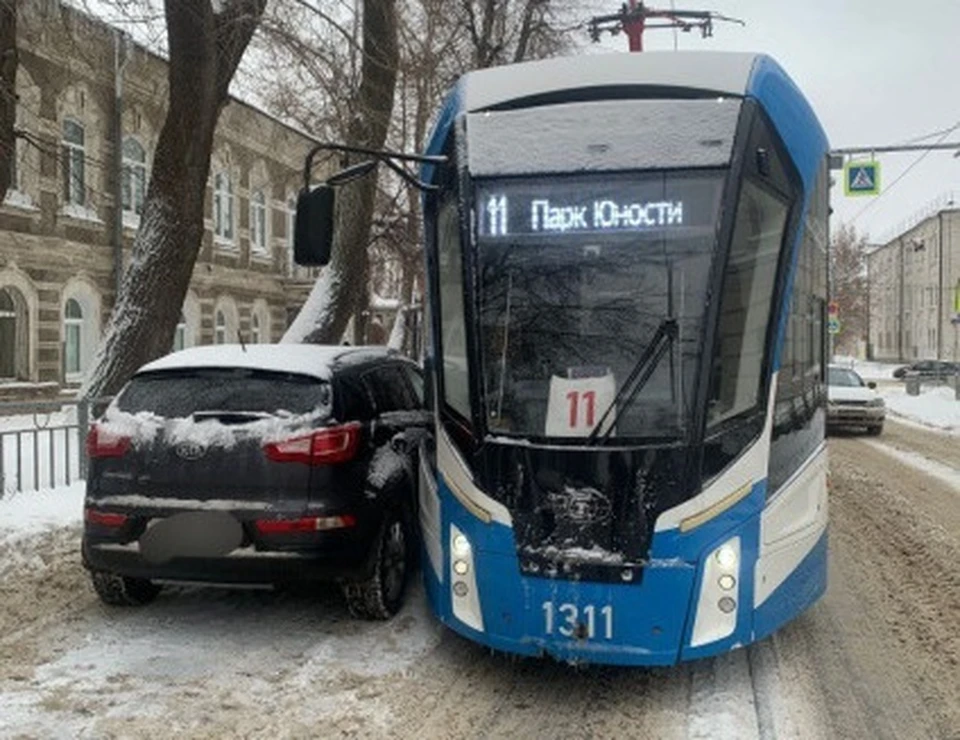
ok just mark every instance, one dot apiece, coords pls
pixel 923 155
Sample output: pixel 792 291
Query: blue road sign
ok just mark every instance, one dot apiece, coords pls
pixel 861 178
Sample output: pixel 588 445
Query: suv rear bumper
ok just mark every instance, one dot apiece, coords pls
pixel 244 565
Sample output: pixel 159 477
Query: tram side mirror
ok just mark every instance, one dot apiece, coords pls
pixel 871 385
pixel 313 231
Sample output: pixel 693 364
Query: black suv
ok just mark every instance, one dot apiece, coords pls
pixel 262 464
pixel 926 369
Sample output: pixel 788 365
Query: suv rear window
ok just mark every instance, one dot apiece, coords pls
pixel 181 393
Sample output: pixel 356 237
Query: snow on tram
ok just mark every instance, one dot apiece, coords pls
pixel 626 278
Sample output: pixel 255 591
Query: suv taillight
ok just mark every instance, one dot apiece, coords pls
pixel 321 447
pixel 102 442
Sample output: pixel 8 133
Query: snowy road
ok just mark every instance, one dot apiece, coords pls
pixel 879 657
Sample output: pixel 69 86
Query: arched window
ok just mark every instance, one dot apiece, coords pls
pixel 180 334
pixel 134 177
pixel 223 206
pixel 8 335
pixel 72 336
pixel 73 163
pixel 220 331
pixel 255 329
pixel 258 222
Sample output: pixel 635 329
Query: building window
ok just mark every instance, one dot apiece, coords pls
pixel 72 154
pixel 220 331
pixel 180 334
pixel 72 333
pixel 255 329
pixel 291 226
pixel 223 206
pixel 258 222
pixel 13 335
pixel 134 177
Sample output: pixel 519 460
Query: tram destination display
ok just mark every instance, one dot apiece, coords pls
pixel 519 208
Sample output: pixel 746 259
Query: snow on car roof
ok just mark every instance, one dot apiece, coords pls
pixel 315 360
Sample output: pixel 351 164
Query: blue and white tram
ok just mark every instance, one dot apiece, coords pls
pixel 626 283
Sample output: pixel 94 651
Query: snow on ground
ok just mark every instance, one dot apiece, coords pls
pixel 31 512
pixel 250 659
pixel 945 473
pixel 936 407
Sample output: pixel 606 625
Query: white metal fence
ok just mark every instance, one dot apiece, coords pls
pixel 42 443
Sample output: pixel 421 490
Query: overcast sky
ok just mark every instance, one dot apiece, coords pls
pixel 876 71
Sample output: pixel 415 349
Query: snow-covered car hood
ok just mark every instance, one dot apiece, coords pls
pixel 848 393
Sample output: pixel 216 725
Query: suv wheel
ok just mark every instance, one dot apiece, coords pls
pixel 875 431
pixel 381 595
pixel 121 591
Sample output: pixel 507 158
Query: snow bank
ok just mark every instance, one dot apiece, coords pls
pixel 923 465
pixel 32 512
pixel 935 407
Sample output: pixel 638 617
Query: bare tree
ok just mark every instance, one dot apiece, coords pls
pixel 505 31
pixel 205 47
pixel 341 291
pixel 8 91
pixel 437 41
pixel 848 286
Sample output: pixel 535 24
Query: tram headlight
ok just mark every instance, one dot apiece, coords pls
pixel 726 605
pixel 465 598
pixel 727 557
pixel 717 603
pixel 461 547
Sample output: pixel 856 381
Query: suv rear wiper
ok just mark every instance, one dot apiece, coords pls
pixel 230 417
pixel 647 363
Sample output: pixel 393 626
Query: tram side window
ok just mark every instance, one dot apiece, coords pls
pixel 745 302
pixel 456 379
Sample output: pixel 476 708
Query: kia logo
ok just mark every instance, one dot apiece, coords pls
pixel 191 450
pixel 582 505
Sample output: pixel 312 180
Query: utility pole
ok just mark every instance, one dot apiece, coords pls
pixel 634 16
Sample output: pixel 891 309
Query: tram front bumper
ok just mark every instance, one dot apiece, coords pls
pixel 680 609
pixel 630 624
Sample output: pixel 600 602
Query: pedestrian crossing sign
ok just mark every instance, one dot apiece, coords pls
pixel 861 178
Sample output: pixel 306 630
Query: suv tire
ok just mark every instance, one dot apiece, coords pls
pixel 122 591
pixel 381 595
pixel 875 431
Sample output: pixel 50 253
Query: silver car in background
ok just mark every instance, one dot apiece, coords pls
pixel 853 403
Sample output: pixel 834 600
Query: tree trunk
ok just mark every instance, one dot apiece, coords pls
pixel 8 91
pixel 205 49
pixel 342 289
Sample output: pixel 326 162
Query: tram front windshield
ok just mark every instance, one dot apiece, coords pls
pixel 576 275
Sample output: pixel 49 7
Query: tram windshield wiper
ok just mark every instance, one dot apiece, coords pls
pixel 641 373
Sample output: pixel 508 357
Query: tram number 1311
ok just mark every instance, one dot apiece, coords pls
pixel 569 620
